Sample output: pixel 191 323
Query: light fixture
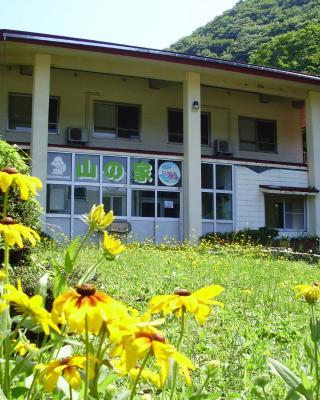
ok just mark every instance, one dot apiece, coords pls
pixel 195 105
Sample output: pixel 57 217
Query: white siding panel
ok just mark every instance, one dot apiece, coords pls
pixel 250 212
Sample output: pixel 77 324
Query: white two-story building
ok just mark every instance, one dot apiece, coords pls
pixel 177 145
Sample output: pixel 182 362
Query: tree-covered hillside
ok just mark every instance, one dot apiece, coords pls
pixel 253 25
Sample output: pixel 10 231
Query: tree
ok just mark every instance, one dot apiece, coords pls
pixel 298 51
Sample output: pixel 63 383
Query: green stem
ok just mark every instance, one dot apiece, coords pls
pixel 94 390
pixel 70 393
pixel 86 387
pixel 32 386
pixel 90 230
pixel 175 367
pixel 85 276
pixel 199 391
pixel 314 339
pixel 135 382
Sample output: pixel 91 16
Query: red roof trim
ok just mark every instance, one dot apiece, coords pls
pixel 152 54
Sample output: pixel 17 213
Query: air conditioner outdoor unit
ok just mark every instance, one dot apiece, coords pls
pixel 77 135
pixel 223 146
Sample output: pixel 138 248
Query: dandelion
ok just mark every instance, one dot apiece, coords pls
pixel 198 303
pixel 68 368
pixel 112 246
pixel 97 219
pixel 14 233
pixel 30 307
pixel 75 307
pixel 311 293
pixel 26 184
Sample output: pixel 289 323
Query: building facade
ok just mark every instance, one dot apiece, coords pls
pixel 176 145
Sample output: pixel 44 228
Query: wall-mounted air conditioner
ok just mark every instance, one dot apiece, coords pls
pixel 77 135
pixel 222 146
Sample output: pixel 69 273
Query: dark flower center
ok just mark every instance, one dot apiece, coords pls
pixel 182 292
pixel 152 336
pixel 10 170
pixel 86 290
pixel 8 221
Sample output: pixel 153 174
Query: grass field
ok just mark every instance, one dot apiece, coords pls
pixel 261 317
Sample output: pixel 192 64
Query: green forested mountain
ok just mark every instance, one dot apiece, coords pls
pixel 278 33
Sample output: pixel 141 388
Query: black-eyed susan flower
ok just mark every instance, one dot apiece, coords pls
pixel 146 375
pixel 198 303
pixel 30 307
pixel 136 348
pixel 25 347
pixel 68 368
pixel 112 246
pixel 311 293
pixel 14 233
pixel 97 219
pixel 10 177
pixel 75 307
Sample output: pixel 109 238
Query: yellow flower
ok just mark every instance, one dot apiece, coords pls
pixel 197 303
pixel 14 233
pixel 112 246
pixel 97 219
pixel 2 275
pixel 311 293
pixel 146 375
pixel 25 183
pixel 75 306
pixel 25 347
pixel 68 368
pixel 248 292
pixel 30 307
pixel 137 347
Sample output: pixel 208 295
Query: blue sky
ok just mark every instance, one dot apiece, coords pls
pixel 146 23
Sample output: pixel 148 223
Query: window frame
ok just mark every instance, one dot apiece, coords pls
pixel 106 135
pixel 282 199
pixel 29 129
pixel 203 112
pixel 256 134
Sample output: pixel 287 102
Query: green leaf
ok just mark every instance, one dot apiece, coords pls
pixel 43 286
pixel 18 392
pixel 2 396
pixel 291 379
pixel 70 255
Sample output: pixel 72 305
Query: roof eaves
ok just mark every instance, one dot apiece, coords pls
pixel 160 55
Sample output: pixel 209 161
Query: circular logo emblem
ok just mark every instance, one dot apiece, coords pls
pixel 169 173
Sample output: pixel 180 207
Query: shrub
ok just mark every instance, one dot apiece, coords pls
pixel 263 236
pixel 25 212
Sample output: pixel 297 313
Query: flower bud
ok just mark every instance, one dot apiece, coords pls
pixel 262 380
pixel 212 367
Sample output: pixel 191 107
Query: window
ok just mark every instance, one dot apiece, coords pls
pixel 143 203
pixel 116 120
pixel 175 127
pixel 115 198
pixel 168 204
pixel 258 135
pixel 20 112
pixel 58 199
pixel 217 194
pixel 285 212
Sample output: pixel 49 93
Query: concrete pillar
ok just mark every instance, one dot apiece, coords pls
pixel 192 223
pixel 40 110
pixel 312 105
